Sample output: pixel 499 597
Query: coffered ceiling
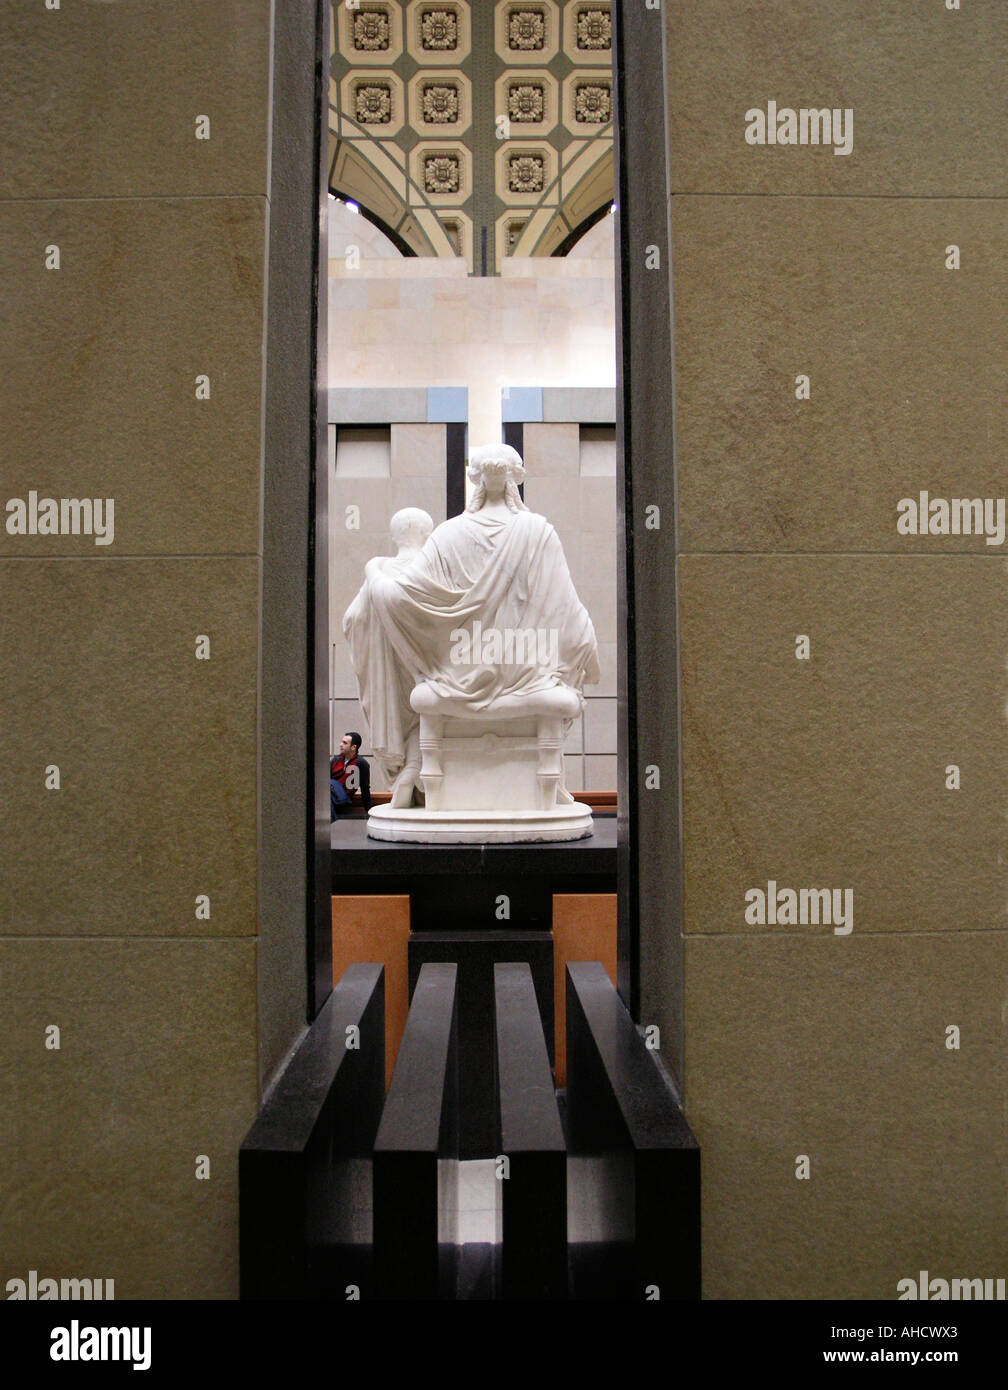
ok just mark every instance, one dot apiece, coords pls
pixel 478 129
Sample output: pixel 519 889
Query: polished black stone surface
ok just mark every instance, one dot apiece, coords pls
pixel 477 1273
pixel 534 1194
pixel 293 704
pixel 304 1168
pixel 476 953
pixel 459 887
pixel 649 935
pixel 634 1162
pixel 355 855
pixel 415 1172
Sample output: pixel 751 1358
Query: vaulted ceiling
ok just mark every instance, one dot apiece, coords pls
pixel 478 129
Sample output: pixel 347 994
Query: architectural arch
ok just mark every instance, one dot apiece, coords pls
pixel 453 165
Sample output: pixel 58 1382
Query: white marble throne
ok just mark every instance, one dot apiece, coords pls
pixel 493 775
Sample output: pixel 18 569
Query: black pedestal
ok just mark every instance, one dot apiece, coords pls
pixel 531 1139
pixel 415 1153
pixel 633 1161
pixel 304 1169
pixel 458 887
pixel 476 953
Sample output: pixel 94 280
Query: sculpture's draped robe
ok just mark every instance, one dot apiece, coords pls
pixel 505 574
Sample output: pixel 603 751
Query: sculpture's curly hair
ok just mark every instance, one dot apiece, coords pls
pixel 497 459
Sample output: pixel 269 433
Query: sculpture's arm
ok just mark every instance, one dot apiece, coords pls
pixel 382 679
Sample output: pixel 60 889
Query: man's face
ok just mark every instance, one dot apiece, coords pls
pixel 345 745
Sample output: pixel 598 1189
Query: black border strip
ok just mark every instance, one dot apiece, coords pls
pixel 455 466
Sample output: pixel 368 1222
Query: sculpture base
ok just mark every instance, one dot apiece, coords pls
pixel 417 825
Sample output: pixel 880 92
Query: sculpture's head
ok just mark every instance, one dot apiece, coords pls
pixel 410 528
pixel 497 471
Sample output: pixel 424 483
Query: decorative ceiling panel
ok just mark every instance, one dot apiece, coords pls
pixel 375 99
pixel 480 104
pixel 438 33
pixel 371 33
pixel 530 100
pixel 588 32
pixel 440 102
pixel 587 100
pixel 527 31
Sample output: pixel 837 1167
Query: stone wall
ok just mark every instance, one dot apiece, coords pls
pixel 152 949
pixel 794 262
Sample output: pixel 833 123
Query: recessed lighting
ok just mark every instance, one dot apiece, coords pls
pixel 352 207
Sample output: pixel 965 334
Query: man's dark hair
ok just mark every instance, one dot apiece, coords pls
pixel 355 739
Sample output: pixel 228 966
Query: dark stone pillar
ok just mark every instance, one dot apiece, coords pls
pixel 530 1138
pixel 416 1151
pixel 650 851
pixel 304 1169
pixel 634 1165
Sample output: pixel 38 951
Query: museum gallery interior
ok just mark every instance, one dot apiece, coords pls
pixel 504 697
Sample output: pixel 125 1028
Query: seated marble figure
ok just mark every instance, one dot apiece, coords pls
pixel 471 649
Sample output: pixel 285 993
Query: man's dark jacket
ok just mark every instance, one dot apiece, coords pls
pixel 339 769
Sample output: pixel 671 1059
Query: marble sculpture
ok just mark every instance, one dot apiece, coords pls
pixel 471 649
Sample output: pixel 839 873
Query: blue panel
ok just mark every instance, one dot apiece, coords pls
pixel 522 404
pixel 447 405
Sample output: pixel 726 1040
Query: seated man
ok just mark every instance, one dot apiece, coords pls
pixel 349 772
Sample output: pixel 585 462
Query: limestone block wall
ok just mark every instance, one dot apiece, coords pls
pixel 840 346
pixel 137 919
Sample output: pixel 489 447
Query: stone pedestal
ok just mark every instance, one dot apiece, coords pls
pixel 493 776
pixel 417 825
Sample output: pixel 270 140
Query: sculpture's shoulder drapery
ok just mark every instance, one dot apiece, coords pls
pixel 479 577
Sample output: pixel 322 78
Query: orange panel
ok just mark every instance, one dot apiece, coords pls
pixel 373 929
pixel 584 928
